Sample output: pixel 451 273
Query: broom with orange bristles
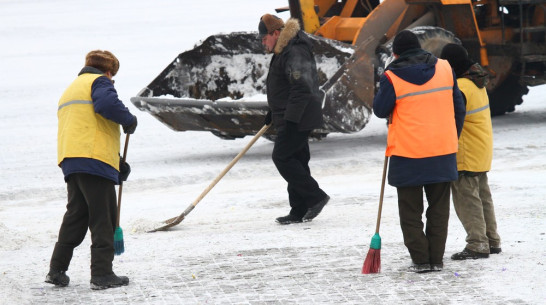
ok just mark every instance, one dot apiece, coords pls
pixel 372 263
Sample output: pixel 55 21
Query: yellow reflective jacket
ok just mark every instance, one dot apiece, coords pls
pixel 83 133
pixel 476 141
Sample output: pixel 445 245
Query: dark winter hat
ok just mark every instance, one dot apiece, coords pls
pixel 102 60
pixel 457 56
pixel 269 23
pixel 403 41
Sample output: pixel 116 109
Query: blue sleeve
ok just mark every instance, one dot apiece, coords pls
pixel 385 98
pixel 106 102
pixel 459 106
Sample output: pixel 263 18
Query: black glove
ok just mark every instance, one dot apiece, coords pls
pixel 124 171
pixel 268 118
pixel 130 129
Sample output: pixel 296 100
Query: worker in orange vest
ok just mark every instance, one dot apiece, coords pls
pixel 418 93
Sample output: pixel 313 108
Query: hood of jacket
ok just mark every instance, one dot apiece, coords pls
pixel 416 66
pixel 290 31
pixel 478 75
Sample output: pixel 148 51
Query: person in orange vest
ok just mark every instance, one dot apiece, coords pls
pixel 419 95
pixel 88 152
pixel 471 194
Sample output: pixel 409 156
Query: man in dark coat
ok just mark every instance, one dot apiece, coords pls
pixel 419 95
pixel 295 110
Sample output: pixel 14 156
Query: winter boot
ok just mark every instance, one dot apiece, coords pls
pixel 495 250
pixel 468 254
pixel 437 267
pixel 288 219
pixel 313 211
pixel 108 281
pixel 57 278
pixel 419 268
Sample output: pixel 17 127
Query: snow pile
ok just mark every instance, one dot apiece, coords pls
pixel 11 240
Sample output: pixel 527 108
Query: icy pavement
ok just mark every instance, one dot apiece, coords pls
pixel 311 275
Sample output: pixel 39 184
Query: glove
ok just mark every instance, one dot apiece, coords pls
pixel 130 129
pixel 268 118
pixel 124 171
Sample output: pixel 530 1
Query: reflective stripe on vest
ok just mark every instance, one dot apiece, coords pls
pixel 423 119
pixel 82 133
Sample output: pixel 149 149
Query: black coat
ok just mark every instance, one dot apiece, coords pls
pixel 292 83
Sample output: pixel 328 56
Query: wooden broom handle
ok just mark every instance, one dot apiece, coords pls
pixel 381 194
pixel 121 182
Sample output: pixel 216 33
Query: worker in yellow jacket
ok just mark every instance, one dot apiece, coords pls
pixel 471 194
pixel 88 152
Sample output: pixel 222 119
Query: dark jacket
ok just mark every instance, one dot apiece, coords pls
pixel 417 66
pixel 292 83
pixel 106 103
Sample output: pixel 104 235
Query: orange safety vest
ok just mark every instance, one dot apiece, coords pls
pixel 423 119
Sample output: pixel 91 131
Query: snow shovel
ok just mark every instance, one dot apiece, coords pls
pixel 119 246
pixel 171 222
pixel 372 263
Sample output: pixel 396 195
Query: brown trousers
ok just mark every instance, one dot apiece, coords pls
pixel 91 204
pixel 426 246
pixel 474 207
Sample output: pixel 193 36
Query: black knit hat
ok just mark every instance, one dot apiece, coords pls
pixel 269 23
pixel 457 56
pixel 403 41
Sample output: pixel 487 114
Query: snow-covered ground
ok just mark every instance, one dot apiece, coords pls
pixel 229 250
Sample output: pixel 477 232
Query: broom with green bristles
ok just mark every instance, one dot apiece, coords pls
pixel 119 246
pixel 372 263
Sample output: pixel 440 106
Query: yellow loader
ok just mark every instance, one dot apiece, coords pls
pixel 219 86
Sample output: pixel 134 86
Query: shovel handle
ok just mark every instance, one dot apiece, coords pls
pixel 221 175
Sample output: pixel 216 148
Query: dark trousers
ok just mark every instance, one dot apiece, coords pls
pixel 91 204
pixel 291 157
pixel 426 246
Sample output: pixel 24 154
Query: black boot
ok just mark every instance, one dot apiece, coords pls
pixel 313 211
pixel 108 281
pixel 57 278
pixel 468 254
pixel 495 250
pixel 437 267
pixel 288 219
pixel 419 268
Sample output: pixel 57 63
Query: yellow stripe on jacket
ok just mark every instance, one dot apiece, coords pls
pixel 83 133
pixel 476 141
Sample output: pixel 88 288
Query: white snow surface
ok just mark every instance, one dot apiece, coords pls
pixel 43 49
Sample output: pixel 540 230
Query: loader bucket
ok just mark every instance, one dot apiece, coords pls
pixel 219 86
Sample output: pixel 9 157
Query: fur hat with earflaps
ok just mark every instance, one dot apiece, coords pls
pixel 102 60
pixel 269 23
